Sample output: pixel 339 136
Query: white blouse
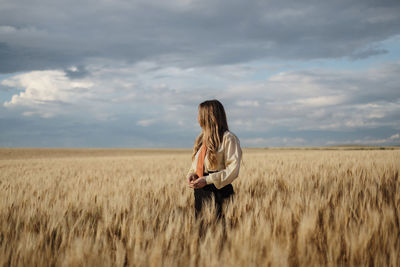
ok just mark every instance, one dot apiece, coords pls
pixel 228 156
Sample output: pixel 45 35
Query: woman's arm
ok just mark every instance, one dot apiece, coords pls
pixel 233 154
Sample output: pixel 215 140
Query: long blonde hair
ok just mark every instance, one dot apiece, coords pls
pixel 212 119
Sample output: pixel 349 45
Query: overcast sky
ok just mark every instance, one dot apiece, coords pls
pixel 119 73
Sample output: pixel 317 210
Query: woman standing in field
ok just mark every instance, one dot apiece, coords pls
pixel 215 159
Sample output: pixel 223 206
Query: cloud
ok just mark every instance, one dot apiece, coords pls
pixel 145 123
pixel 44 92
pixel 7 29
pixel 308 104
pixel 392 140
pixel 76 72
pixel 321 99
pixel 247 103
pixel 395 137
pixel 188 34
pixel 368 53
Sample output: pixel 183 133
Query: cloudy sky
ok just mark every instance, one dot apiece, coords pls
pixel 131 73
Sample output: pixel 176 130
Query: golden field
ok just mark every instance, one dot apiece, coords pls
pixel 116 207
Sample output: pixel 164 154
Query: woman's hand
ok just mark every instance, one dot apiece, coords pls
pixel 192 178
pixel 199 183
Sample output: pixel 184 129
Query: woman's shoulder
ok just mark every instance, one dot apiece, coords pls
pixel 228 135
pixel 232 143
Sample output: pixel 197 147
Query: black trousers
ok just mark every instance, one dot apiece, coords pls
pixel 204 194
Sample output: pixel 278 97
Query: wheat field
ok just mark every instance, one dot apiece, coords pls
pixel 126 207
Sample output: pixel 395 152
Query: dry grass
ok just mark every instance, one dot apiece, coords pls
pixel 298 208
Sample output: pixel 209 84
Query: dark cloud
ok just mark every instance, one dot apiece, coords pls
pixel 50 34
pixel 367 53
pixel 18 58
pixel 77 72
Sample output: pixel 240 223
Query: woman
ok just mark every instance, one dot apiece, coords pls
pixel 215 159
